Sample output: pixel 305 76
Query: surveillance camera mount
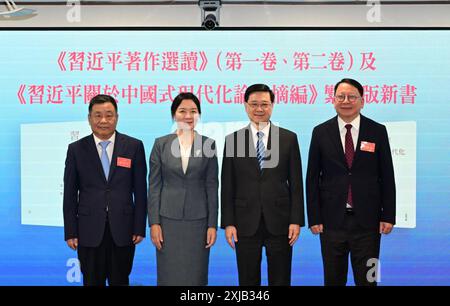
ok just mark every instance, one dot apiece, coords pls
pixel 210 13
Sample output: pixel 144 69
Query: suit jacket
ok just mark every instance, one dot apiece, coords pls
pixel 275 193
pixel 371 177
pixel 87 193
pixel 176 195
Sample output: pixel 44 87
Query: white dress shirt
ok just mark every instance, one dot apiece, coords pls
pixel 109 148
pixel 265 138
pixel 355 130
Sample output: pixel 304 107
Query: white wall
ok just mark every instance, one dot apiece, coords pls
pixel 236 16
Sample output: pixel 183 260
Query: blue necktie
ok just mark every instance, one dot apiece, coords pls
pixel 104 158
pixel 260 149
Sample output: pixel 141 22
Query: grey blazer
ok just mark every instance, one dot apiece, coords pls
pixel 176 195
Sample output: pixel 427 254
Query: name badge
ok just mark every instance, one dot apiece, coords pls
pixel 367 146
pixel 123 162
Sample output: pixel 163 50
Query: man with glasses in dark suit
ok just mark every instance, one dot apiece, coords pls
pixel 262 192
pixel 350 188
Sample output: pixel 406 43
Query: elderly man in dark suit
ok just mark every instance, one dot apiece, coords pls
pixel 105 194
pixel 350 188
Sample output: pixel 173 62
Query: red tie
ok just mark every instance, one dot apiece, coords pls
pixel 349 153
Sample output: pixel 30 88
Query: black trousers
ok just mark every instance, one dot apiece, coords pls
pixel 249 256
pixel 363 246
pixel 106 262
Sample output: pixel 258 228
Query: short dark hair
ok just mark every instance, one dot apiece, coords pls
pixel 258 87
pixel 100 99
pixel 352 82
pixel 184 96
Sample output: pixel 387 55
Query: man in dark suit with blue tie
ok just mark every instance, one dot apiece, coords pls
pixel 350 188
pixel 105 194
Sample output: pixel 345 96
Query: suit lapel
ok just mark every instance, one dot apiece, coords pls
pixel 93 152
pixel 250 146
pixel 335 136
pixel 195 153
pixel 362 136
pixel 119 144
pixel 273 130
pixel 175 153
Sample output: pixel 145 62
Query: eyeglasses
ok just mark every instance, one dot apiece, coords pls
pixel 350 98
pixel 262 105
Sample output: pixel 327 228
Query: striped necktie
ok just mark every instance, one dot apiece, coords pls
pixel 260 149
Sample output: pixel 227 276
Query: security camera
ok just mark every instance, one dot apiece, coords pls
pixel 210 10
pixel 210 22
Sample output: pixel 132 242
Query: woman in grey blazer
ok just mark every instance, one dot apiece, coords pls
pixel 183 198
